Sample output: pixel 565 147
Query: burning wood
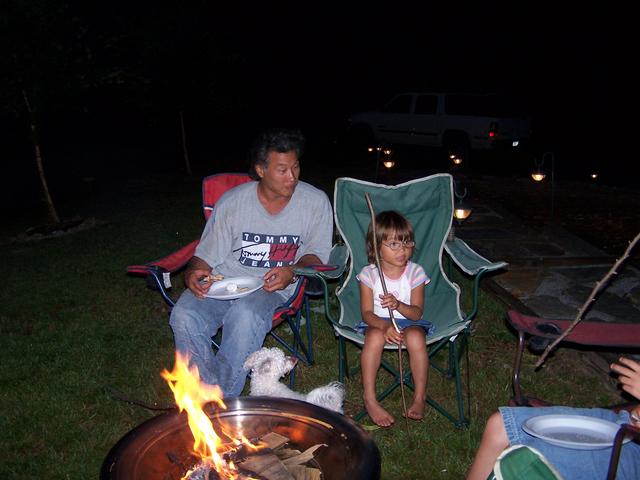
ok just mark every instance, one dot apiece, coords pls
pixel 227 454
pixel 272 461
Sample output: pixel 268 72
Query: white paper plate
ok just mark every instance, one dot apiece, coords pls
pixel 573 431
pixel 225 290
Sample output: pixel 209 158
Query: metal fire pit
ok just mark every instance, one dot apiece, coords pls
pixel 160 448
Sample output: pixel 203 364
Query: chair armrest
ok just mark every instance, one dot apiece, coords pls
pixel 172 263
pixel 324 273
pixel 468 259
pixel 327 271
pixel 472 264
pixel 158 273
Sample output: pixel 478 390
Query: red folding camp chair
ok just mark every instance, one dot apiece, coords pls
pixel 609 335
pixel 159 272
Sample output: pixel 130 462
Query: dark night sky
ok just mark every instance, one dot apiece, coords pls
pixel 101 74
pixel 310 63
pixel 314 59
pixel 298 51
pixel 360 56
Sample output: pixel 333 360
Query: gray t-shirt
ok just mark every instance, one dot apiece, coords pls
pixel 242 238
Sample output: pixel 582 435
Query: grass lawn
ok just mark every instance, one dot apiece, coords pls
pixel 74 326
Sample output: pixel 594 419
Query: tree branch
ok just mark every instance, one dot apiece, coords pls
pixel 598 288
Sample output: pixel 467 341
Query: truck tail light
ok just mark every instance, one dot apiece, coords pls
pixel 493 130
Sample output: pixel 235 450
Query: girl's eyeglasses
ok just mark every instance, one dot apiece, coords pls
pixel 396 245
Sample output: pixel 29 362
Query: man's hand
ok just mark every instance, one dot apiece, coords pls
pixel 198 281
pixel 196 278
pixel 628 375
pixel 278 278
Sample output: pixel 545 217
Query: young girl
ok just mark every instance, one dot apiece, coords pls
pixel 405 283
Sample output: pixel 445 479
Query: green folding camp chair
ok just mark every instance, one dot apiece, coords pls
pixel 523 462
pixel 428 204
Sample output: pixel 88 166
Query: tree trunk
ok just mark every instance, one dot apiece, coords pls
pixel 53 214
pixel 184 144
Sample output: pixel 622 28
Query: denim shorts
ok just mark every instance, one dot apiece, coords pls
pixel 574 464
pixel 402 324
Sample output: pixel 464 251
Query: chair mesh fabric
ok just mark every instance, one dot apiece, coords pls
pixel 523 462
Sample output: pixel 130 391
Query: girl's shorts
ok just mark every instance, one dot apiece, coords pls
pixel 402 323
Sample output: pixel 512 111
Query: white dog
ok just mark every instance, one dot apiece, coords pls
pixel 268 365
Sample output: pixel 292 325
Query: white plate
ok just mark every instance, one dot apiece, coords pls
pixel 573 431
pixel 244 286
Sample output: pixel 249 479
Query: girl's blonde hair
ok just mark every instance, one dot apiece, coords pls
pixel 388 223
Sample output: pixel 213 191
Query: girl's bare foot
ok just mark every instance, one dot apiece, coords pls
pixel 378 414
pixel 416 410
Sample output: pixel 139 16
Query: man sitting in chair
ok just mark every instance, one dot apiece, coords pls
pixel 260 229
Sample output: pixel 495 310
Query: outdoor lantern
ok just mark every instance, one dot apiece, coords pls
pixel 383 158
pixel 455 159
pixel 387 161
pixel 538 173
pixel 594 176
pixel 461 212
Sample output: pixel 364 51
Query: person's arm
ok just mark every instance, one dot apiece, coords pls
pixel 629 375
pixel 197 269
pixel 374 321
pixel 410 312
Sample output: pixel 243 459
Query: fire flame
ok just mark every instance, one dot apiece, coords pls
pixel 191 396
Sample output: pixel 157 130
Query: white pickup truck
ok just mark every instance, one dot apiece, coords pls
pixel 457 122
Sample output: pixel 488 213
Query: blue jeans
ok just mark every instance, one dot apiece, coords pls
pixel 245 321
pixel 574 464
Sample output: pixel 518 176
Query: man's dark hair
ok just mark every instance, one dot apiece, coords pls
pixel 274 140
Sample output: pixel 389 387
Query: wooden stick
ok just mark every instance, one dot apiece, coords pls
pixel 598 287
pixel 375 249
pixel 393 320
